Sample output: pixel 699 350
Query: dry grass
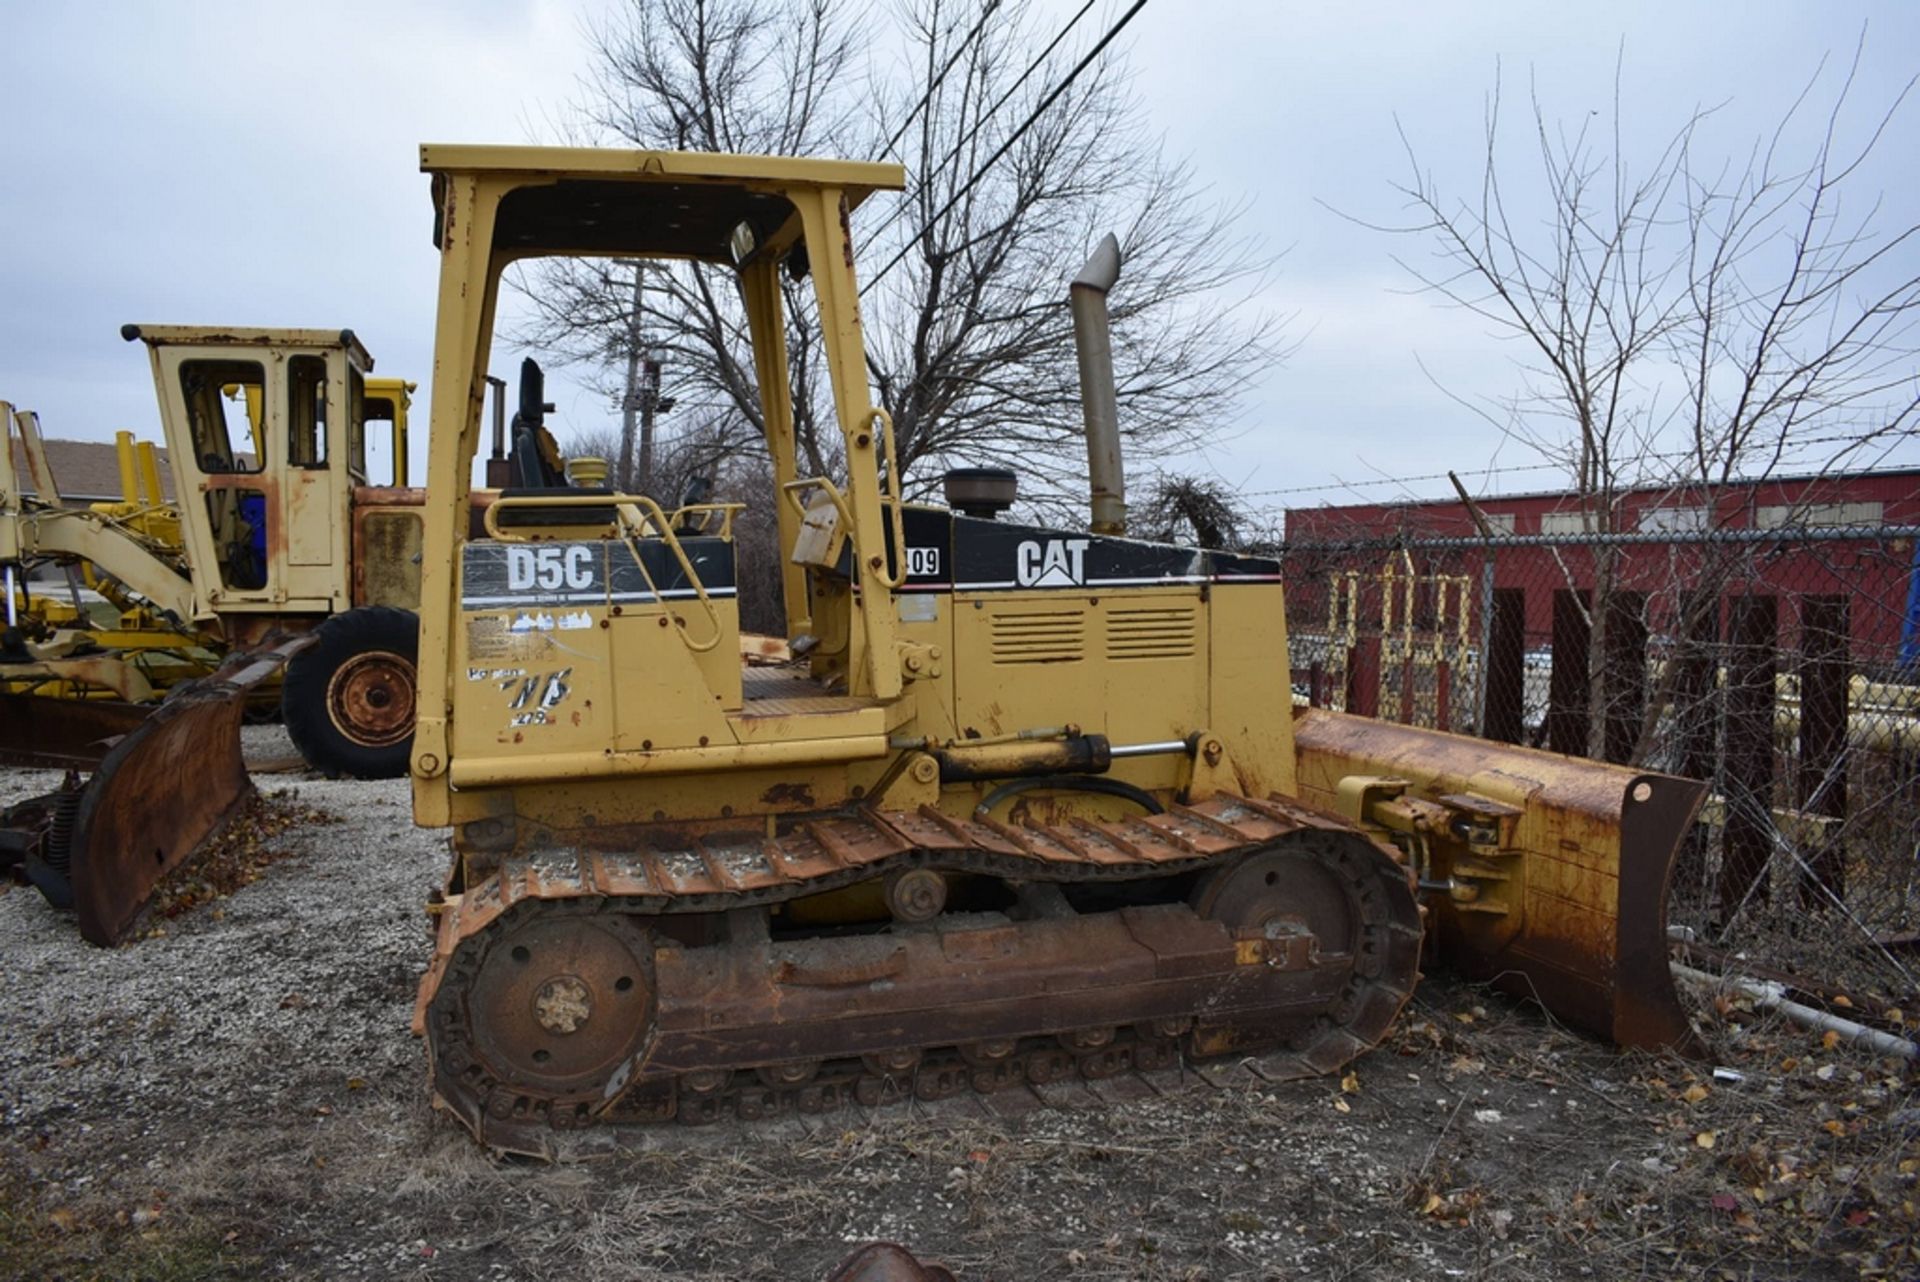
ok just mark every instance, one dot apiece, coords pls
pixel 251 1076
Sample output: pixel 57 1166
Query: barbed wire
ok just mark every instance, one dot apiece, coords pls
pixel 1514 469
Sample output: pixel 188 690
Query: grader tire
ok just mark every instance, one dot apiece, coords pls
pixel 348 700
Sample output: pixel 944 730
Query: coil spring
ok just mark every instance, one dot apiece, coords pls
pixel 56 851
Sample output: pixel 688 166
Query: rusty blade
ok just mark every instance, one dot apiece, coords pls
pixel 1579 922
pixel 161 792
pixel 63 734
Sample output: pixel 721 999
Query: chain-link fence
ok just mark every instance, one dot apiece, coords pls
pixel 1780 665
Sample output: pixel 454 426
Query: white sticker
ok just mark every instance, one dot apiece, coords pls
pixel 923 563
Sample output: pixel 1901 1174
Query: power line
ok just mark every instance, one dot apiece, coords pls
pixel 1112 33
pixel 1540 467
pixel 941 75
pixel 900 209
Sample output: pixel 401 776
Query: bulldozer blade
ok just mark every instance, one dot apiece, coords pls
pixel 62 734
pixel 1568 904
pixel 162 791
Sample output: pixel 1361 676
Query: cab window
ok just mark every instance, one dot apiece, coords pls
pixel 307 411
pixel 222 418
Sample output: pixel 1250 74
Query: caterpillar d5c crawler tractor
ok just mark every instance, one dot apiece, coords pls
pixel 276 552
pixel 1033 802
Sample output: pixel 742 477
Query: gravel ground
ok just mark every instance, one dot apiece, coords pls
pixel 237 1095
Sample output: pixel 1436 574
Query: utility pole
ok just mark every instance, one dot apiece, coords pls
pixel 649 402
pixel 631 402
pixel 642 401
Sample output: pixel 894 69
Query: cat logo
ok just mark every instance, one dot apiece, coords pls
pixel 1060 564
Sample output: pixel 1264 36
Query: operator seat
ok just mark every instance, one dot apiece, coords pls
pixel 535 466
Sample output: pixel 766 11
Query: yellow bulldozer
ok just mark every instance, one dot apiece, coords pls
pixel 276 551
pixel 1029 803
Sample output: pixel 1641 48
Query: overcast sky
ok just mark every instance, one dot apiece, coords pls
pixel 246 163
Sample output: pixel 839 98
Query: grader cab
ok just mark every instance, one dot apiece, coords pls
pixel 277 560
pixel 1030 803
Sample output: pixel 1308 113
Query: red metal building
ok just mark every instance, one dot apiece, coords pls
pixel 1675 549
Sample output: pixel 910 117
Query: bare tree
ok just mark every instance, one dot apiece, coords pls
pixel 1193 510
pixel 1683 321
pixel 1015 166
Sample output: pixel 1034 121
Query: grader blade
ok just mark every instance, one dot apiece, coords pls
pixel 161 791
pixel 1548 875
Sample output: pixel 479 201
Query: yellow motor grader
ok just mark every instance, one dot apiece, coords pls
pixel 1030 803
pixel 277 551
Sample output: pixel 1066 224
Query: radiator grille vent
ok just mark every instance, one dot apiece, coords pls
pixel 1158 632
pixel 1040 636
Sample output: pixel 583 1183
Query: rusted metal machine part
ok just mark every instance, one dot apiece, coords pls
pixel 60 734
pixel 107 840
pixel 885 1262
pixel 585 986
pixel 1546 874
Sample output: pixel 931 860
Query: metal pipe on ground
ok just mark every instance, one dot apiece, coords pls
pixel 1099 399
pixel 1773 997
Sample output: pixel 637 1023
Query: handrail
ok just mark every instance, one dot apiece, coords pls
pixel 633 513
pixel 705 511
pixel 792 490
pixel 890 578
pixel 558 499
pixel 630 515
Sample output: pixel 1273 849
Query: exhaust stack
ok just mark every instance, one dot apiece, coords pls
pixel 1099 400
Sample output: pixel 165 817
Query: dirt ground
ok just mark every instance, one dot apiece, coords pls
pixel 237 1096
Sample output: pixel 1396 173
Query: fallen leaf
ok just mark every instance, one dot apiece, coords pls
pixel 1342 1106
pixel 65 1218
pixel 1433 1205
pixel 1829 1039
pixel 1463 1017
pixel 1694 1093
pixel 1725 1202
pixel 1833 1126
pixel 980 1155
pixel 1859 1217
pixel 356 1083
pixel 1840 1000
pixel 1704 1139
pixel 1350 1084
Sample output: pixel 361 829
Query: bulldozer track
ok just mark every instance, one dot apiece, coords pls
pixel 555 1003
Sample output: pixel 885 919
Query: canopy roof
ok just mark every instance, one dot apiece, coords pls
pixel 578 200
